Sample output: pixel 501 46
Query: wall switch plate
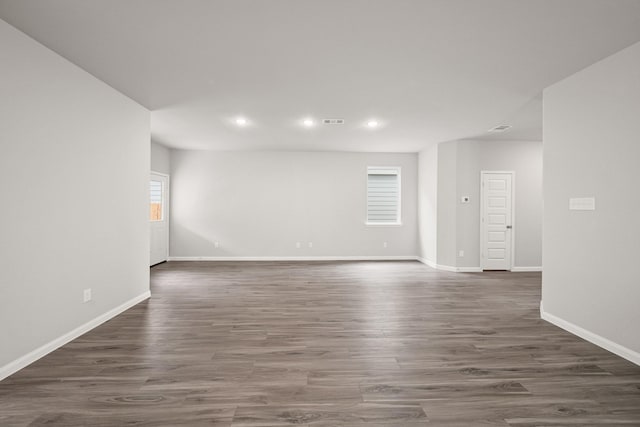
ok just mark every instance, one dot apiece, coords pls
pixel 582 204
pixel 217 244
pixel 87 295
pixel 298 245
pixel 461 254
pixel 384 245
pixel 465 199
pixel 310 244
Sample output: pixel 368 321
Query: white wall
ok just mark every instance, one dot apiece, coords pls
pixel 259 204
pixel 160 158
pixel 457 227
pixel 447 207
pixel 428 204
pixel 74 165
pixel 590 282
pixel 525 159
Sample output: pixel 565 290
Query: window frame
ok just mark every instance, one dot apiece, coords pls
pixel 398 173
pixel 162 200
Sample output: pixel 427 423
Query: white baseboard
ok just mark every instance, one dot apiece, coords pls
pixel 525 269
pixel 449 268
pixel 469 269
pixel 294 258
pixel 13 367
pixel 428 262
pixel 600 341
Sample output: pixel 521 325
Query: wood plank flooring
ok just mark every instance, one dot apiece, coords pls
pixel 322 344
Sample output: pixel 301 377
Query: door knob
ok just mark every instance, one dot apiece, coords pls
pixel 508 227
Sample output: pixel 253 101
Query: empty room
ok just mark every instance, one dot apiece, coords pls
pixel 267 213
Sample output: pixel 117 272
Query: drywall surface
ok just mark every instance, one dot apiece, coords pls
pixel 450 171
pixel 591 131
pixel 467 214
pixel 160 158
pixel 74 176
pixel 261 204
pixel 525 159
pixel 447 206
pixel 428 204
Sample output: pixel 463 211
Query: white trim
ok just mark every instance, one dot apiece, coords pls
pixel 449 268
pixel 22 362
pixel 525 269
pixel 442 267
pixel 615 348
pixel 294 258
pixel 472 269
pixel 469 269
pixel 446 268
pixel 428 262
pixel 513 217
pixel 160 173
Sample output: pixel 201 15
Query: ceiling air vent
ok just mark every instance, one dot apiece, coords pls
pixel 500 128
pixel 333 121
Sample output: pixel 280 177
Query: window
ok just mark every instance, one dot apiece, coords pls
pixel 156 195
pixel 383 195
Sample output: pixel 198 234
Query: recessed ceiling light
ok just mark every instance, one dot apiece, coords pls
pixel 372 123
pixel 241 121
pixel 308 122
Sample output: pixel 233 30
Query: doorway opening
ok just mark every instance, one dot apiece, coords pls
pixel 158 218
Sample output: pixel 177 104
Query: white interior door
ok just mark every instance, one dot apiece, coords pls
pixel 496 220
pixel 159 217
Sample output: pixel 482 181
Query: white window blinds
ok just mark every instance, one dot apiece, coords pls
pixel 383 195
pixel 155 199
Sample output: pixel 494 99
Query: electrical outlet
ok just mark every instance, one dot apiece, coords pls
pixel 298 245
pixel 310 244
pixel 461 254
pixel 87 295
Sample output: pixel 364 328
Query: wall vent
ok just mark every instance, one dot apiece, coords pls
pixel 333 121
pixel 500 128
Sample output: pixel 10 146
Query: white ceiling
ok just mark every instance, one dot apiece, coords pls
pixel 427 70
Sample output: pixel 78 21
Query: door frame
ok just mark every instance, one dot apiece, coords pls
pixel 165 208
pixel 513 216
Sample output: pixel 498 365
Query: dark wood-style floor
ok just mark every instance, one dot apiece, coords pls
pixel 327 344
